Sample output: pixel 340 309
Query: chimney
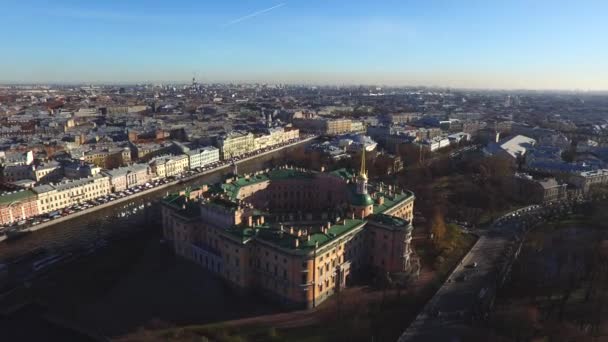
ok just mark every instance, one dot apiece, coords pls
pixel 307 237
pixel 250 221
pixel 296 243
pixel 299 232
pixel 291 230
pixel 380 200
pixel 261 220
pixel 328 225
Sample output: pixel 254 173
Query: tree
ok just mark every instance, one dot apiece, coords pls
pixel 438 230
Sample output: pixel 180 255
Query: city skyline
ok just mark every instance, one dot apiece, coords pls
pixel 472 44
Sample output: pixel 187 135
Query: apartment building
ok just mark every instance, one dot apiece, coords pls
pixel 17 205
pixel 53 197
pixel 168 166
pixel 236 144
pixel 108 158
pixel 129 176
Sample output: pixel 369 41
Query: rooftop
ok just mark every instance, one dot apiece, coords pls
pixel 390 201
pixel 287 241
pixel 389 220
pixel 15 196
pixel 232 189
pixel 185 207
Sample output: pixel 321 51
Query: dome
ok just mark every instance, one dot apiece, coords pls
pixel 361 200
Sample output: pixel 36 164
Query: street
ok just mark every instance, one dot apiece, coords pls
pixel 468 291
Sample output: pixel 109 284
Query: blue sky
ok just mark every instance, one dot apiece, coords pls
pixel 461 43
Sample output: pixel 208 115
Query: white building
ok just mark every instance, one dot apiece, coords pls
pixel 209 155
pixel 203 156
pixel 129 176
pixel 456 138
pixel 514 147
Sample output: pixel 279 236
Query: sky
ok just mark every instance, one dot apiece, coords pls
pixel 523 44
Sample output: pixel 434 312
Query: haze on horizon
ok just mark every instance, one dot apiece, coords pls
pixel 519 44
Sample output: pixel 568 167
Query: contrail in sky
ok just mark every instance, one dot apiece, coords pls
pixel 254 14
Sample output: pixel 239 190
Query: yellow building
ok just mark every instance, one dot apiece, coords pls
pixel 108 158
pixel 51 197
pixel 297 236
pixel 236 144
pixel 169 166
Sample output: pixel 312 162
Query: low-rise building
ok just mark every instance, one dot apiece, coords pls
pixel 79 169
pixel 176 165
pixel 324 126
pixel 434 144
pixel 53 197
pixel 511 148
pixel 129 176
pixel 17 172
pixel 48 172
pixel 539 190
pixel 209 155
pixel 235 144
pixel 457 138
pixel 168 166
pixel 17 206
pixel 589 179
pixel 108 158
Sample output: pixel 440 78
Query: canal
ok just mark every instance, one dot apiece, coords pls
pixel 125 219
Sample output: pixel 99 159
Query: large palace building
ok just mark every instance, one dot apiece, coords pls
pixel 294 234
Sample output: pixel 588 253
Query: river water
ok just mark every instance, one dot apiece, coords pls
pixel 122 219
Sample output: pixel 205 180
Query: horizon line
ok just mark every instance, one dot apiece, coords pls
pixel 4 83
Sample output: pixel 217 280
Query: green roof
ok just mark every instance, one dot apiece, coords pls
pixel 285 240
pixel 390 202
pixel 343 173
pixel 389 220
pixel 243 234
pixel 232 189
pixel 360 200
pixel 186 208
pixel 8 197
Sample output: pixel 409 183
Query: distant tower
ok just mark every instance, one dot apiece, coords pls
pixel 361 202
pixel 194 86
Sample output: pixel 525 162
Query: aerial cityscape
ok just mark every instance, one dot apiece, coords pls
pixel 197 172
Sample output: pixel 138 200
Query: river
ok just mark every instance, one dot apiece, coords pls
pixel 112 223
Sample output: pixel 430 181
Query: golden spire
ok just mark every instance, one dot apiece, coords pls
pixel 363 171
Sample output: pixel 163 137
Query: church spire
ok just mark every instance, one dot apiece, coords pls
pixel 363 171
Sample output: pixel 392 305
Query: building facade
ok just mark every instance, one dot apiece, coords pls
pixel 295 235
pixel 53 197
pixel 588 179
pixel 129 176
pixel 236 144
pixel 17 206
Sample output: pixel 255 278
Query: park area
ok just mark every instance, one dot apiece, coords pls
pixel 558 289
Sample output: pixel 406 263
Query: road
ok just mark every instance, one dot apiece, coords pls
pixel 469 289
